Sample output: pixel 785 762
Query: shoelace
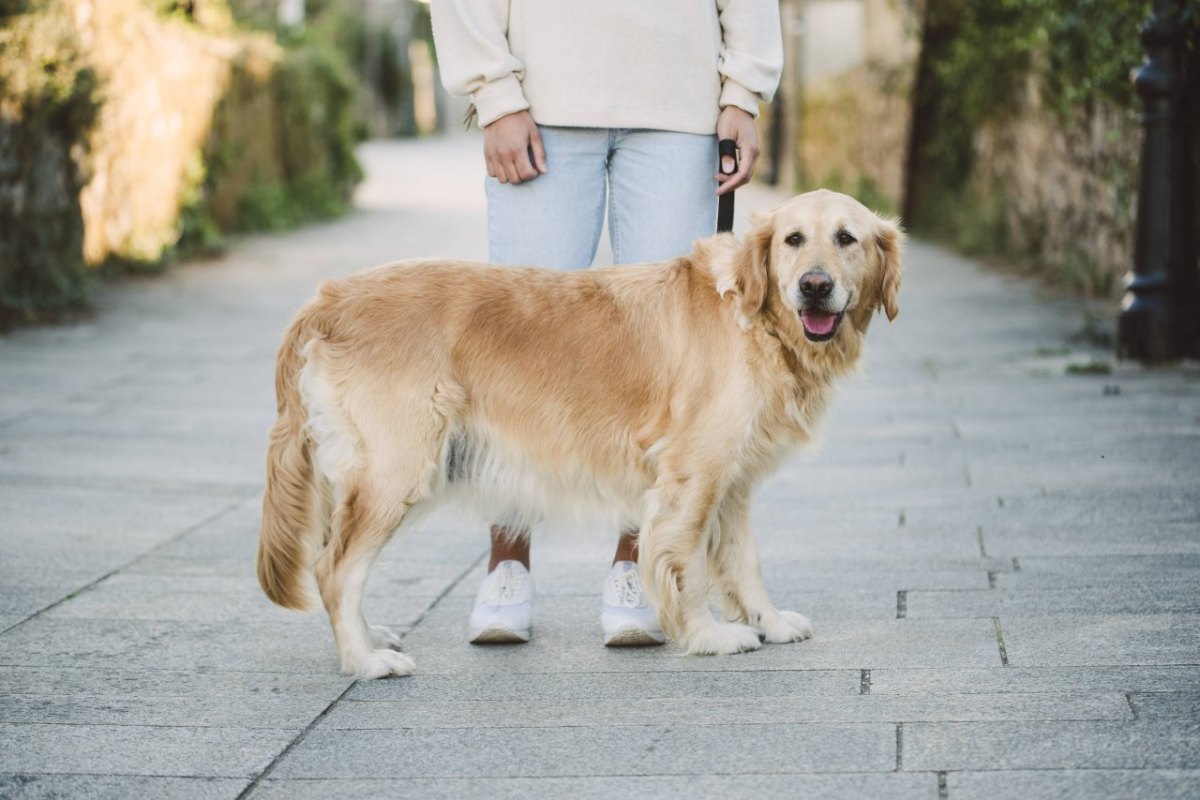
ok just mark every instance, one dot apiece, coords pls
pixel 628 587
pixel 507 586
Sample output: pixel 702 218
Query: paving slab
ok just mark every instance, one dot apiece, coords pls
pixel 1178 569
pixel 858 786
pixel 955 746
pixel 140 750
pixel 1158 598
pixel 1094 784
pixel 1151 639
pixel 1156 705
pixel 1089 678
pixel 640 750
pixel 699 708
pixel 305 647
pixel 117 787
pixel 615 686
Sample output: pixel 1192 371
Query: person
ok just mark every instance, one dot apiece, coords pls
pixel 582 103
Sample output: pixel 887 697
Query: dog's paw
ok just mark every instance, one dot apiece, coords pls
pixel 383 637
pixel 722 639
pixel 381 664
pixel 785 626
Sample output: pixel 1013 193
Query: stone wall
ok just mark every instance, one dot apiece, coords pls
pixel 1062 193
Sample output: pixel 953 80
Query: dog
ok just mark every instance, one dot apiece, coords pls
pixel 660 392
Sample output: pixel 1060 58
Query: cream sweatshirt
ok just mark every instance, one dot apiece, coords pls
pixel 661 64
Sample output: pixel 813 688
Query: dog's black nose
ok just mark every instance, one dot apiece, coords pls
pixel 816 285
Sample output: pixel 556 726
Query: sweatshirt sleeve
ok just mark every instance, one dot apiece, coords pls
pixel 751 52
pixel 471 38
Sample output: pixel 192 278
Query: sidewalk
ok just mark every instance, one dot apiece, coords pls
pixel 1001 558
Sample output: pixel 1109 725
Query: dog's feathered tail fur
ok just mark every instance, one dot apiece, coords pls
pixel 291 530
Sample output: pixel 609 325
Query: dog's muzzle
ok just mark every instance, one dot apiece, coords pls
pixel 820 322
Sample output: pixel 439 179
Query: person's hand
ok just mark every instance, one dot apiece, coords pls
pixel 736 124
pixel 506 145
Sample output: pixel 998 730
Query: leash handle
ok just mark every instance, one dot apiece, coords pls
pixel 726 148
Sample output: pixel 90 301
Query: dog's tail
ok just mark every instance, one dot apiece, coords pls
pixel 291 525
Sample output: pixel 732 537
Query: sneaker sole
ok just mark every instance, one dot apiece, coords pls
pixel 498 634
pixel 632 636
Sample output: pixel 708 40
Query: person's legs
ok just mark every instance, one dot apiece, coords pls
pixel 662 194
pixel 553 220
pixel 661 199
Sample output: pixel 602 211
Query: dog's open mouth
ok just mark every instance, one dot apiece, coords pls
pixel 820 326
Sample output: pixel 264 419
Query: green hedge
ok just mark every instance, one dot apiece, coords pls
pixel 976 57
pixel 979 59
pixel 48 104
pixel 280 151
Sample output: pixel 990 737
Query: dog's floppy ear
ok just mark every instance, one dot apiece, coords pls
pixel 750 269
pixel 888 240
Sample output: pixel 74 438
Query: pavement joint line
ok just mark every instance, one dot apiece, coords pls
pixel 124 775
pixel 864 684
pixel 1000 642
pixel 557 777
pixel 943 788
pixel 666 726
pixel 119 485
pixel 450 588
pixel 254 781
pixel 24 724
pixel 226 509
pixel 309 673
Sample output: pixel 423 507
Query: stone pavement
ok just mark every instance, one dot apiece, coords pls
pixel 1001 558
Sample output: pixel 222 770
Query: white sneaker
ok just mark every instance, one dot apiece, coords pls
pixel 627 619
pixel 504 605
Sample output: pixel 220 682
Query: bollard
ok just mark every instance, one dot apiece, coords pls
pixel 1161 306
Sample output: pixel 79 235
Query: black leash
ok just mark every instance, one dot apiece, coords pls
pixel 726 147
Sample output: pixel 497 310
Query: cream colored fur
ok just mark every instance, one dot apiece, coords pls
pixel 659 393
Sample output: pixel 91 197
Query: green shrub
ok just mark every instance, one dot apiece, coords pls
pixel 984 65
pixel 48 103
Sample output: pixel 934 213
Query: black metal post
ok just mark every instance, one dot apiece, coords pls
pixel 1159 311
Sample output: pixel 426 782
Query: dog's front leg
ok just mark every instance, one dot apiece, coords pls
pixel 738 573
pixel 673 547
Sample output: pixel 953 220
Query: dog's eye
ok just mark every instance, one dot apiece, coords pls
pixel 844 239
pixel 795 240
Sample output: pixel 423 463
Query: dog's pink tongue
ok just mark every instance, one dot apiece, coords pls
pixel 818 323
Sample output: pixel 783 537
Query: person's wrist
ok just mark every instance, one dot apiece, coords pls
pixel 734 95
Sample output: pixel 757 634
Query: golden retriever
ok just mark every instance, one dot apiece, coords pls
pixel 661 392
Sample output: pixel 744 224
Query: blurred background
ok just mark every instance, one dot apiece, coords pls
pixel 137 132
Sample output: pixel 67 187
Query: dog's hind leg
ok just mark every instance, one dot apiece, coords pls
pixel 735 568
pixel 673 552
pixel 362 526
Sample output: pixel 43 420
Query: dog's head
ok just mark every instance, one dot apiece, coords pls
pixel 816 263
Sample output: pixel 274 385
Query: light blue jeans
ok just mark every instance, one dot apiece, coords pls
pixel 660 188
